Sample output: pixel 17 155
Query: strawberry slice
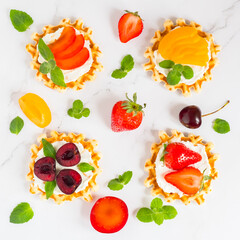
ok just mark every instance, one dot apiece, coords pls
pixel 187 180
pixel 178 156
pixel 75 61
pixel 67 37
pixel 73 49
pixel 109 215
pixel 130 26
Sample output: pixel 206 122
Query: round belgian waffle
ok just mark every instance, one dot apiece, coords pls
pixel 150 167
pixel 90 145
pixel 150 66
pixel 79 83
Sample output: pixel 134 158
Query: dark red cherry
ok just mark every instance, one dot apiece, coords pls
pixel 45 169
pixel 68 155
pixel 191 117
pixel 68 180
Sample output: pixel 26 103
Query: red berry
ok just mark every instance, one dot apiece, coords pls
pixel 109 215
pixel 45 169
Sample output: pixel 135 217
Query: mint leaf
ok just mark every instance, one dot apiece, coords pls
pixel 70 112
pixel 126 177
pixel 169 212
pixel 158 218
pixel 21 213
pixel 156 204
pixel 173 77
pixel 49 188
pixel 221 126
pixel 166 64
pixel 145 215
pixel 44 50
pixel 16 125
pixel 77 115
pixel 187 72
pixel 48 149
pixel 178 67
pixel 118 74
pixel 20 20
pixel 207 177
pixel 115 185
pixel 45 68
pixel 57 77
pixel 85 167
pixel 78 105
pixel 127 63
pixel 85 112
pixel 52 63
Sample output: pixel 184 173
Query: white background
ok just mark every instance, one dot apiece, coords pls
pixel 218 217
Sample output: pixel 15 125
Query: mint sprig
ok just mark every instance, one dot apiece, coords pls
pixel 16 125
pixel 164 152
pixel 21 21
pixel 205 178
pixel 157 212
pixel 21 213
pixel 49 188
pixel 221 126
pixel 77 111
pixel 49 66
pixel 174 75
pixel 127 65
pixel 85 167
pixel 117 184
pixel 48 149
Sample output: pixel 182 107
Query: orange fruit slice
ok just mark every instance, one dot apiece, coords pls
pixel 36 109
pixel 184 45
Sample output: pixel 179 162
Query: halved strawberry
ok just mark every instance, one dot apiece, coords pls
pixel 130 26
pixel 67 37
pixel 187 180
pixel 75 61
pixel 73 49
pixel 109 215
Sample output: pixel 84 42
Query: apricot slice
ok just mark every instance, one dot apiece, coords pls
pixel 184 45
pixel 67 37
pixel 73 49
pixel 36 109
pixel 74 62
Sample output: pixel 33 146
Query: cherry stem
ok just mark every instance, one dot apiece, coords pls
pixel 217 110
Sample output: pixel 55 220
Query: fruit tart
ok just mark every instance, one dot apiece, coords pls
pixel 74 53
pixel 182 56
pixel 181 167
pixel 64 167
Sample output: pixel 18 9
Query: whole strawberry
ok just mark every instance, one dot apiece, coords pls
pixel 178 156
pixel 127 115
pixel 130 26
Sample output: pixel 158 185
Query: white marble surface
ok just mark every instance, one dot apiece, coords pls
pixel 218 217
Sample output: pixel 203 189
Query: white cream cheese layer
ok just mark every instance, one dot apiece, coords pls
pixel 162 170
pixel 73 74
pixel 85 157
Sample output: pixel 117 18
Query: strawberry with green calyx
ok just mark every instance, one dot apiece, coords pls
pixel 127 115
pixel 130 26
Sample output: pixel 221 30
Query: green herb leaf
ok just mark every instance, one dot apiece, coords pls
pixel 85 167
pixel 207 177
pixel 145 215
pixel 164 152
pixel 45 68
pixel 48 149
pixel 77 115
pixel 178 67
pixel 166 64
pixel 127 63
pixel 221 126
pixel 44 50
pixel 16 125
pixel 118 74
pixel 57 77
pixel 115 184
pixel 187 72
pixel 70 112
pixel 49 188
pixel 78 105
pixel 52 63
pixel 86 112
pixel 126 177
pixel 173 77
pixel 21 213
pixel 158 218
pixel 156 204
pixel 20 20
pixel 169 212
